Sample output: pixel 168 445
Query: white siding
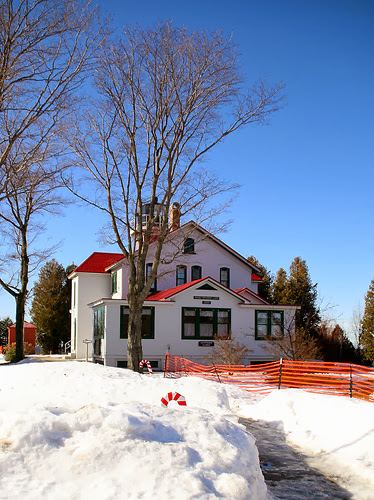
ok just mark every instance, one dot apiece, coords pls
pixel 168 328
pixel 89 286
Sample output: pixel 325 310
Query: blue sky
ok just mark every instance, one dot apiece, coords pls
pixel 307 177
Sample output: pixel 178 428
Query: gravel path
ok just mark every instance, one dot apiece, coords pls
pixel 287 473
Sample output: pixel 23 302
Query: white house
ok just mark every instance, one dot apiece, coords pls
pixel 205 289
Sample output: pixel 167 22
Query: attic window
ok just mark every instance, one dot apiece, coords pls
pixel 189 245
pixel 224 276
pixel 206 287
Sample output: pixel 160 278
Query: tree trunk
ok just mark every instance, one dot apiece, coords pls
pixel 134 337
pixel 20 316
pixel 21 296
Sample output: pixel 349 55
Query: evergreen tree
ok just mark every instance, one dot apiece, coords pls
pixel 301 291
pixel 50 306
pixel 367 337
pixel 278 289
pixel 265 286
pixel 300 340
pixel 4 323
pixel 336 346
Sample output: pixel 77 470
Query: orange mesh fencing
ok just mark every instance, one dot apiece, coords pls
pixel 339 379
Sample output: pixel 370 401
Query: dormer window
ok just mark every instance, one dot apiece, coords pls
pixel 181 275
pixel 224 276
pixel 189 245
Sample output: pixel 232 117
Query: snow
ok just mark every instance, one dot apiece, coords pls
pixel 78 430
pixel 338 431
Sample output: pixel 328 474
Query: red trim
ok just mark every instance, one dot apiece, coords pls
pixel 254 277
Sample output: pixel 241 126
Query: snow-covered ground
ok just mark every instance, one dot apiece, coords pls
pixel 337 431
pixel 78 431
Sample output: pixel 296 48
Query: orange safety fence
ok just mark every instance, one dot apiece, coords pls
pixel 339 379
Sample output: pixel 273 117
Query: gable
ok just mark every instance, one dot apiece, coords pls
pixel 206 286
pixel 170 293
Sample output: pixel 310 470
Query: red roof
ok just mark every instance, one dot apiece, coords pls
pixel 246 289
pixel 254 277
pixel 166 294
pixel 98 262
pixel 25 325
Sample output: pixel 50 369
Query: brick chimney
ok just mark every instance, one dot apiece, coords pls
pixel 174 216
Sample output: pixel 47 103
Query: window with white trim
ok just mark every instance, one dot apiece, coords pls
pixel 269 325
pixel 224 276
pixel 181 275
pixel 205 323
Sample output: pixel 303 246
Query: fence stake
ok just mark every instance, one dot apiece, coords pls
pixel 217 373
pixel 280 373
pixel 350 381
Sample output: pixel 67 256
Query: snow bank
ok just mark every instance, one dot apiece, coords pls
pixel 338 429
pixel 78 430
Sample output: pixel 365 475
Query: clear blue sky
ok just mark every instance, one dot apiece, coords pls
pixel 307 178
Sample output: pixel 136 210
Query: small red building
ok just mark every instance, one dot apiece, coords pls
pixel 29 333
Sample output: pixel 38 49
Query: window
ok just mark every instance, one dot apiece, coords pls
pixel 189 245
pixel 75 335
pixel 74 294
pixel 224 276
pixel 98 328
pixel 114 282
pixel 123 364
pixel 181 275
pixel 148 322
pixel 196 273
pixel 201 323
pixel 148 269
pixel 269 324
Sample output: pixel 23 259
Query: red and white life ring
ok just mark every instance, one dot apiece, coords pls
pixel 147 363
pixel 173 396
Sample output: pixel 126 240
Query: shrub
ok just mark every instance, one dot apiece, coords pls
pixel 227 351
pixel 10 351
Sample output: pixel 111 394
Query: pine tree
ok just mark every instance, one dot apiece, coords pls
pixel 4 323
pixel 301 291
pixel 266 276
pixel 300 339
pixel 278 289
pixel 50 306
pixel 367 338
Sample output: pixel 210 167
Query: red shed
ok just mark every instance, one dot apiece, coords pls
pixel 29 333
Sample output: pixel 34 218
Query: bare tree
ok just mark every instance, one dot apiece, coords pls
pixel 227 351
pixel 46 48
pixel 292 342
pixel 46 52
pixel 166 97
pixel 29 194
pixel 356 326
